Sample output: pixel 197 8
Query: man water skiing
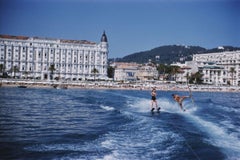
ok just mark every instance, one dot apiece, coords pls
pixel 154 100
pixel 180 99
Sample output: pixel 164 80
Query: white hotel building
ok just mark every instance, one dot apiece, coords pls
pixel 72 59
pixel 219 68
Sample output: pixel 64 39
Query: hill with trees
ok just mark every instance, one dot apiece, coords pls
pixel 171 53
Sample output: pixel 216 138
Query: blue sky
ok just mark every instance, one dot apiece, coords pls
pixel 130 25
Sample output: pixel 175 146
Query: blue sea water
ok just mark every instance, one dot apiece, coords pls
pixel 117 124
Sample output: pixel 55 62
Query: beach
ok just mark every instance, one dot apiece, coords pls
pixel 116 85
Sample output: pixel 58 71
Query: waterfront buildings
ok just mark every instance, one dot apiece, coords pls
pixel 125 71
pixel 45 58
pixel 186 70
pixel 134 71
pixel 147 72
pixel 219 68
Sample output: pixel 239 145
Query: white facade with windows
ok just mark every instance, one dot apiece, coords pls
pixel 219 68
pixel 134 71
pixel 72 59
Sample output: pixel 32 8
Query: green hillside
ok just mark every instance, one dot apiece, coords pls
pixel 170 53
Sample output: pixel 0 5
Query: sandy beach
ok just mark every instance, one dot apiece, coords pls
pixel 116 85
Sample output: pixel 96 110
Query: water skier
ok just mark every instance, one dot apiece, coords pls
pixel 180 99
pixel 154 100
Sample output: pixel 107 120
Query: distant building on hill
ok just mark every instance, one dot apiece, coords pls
pixel 45 58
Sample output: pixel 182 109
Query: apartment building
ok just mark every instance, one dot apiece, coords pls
pixel 219 68
pixel 45 58
pixel 134 71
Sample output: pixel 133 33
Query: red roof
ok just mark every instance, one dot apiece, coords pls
pixel 61 40
pixel 14 37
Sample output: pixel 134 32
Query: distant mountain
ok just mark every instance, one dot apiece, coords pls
pixel 171 53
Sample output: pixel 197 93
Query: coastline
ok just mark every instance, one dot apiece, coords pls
pixel 115 85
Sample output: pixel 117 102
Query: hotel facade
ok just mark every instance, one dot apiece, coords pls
pixel 44 58
pixel 133 71
pixel 220 68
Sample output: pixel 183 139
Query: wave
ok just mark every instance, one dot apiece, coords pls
pixel 144 105
pixel 142 137
pixel 219 136
pixel 107 108
pixel 132 145
pixel 225 137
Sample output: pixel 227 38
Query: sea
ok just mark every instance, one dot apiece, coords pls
pixel 94 124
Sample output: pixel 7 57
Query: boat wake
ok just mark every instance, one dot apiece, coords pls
pixel 221 136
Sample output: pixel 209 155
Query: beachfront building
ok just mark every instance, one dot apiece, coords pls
pixel 147 72
pixel 134 71
pixel 185 70
pixel 45 58
pixel 213 74
pixel 125 71
pixel 219 68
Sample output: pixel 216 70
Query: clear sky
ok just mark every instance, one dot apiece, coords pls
pixel 130 25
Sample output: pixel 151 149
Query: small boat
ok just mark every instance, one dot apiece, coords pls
pixel 22 86
pixel 61 86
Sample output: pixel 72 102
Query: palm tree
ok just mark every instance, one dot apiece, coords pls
pixel 1 68
pixel 187 77
pixel 174 71
pixel 26 74
pixel 232 71
pixel 196 78
pixel 14 70
pixel 51 69
pixel 110 72
pixel 94 71
pixel 162 69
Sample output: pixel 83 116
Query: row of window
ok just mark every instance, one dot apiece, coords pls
pixel 44 44
pixel 51 50
pixel 23 56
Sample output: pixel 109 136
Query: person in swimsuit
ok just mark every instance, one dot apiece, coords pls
pixel 154 100
pixel 179 99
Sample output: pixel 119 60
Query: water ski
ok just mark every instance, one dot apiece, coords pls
pixel 158 110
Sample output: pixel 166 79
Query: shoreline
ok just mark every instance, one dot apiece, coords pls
pixel 116 85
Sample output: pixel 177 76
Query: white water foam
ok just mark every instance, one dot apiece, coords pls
pixel 144 105
pixel 131 146
pixel 219 136
pixel 107 108
pixel 129 142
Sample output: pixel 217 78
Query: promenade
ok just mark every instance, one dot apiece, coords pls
pixel 115 85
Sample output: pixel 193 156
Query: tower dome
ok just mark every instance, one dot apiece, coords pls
pixel 104 37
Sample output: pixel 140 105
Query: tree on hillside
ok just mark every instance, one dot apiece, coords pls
pixel 166 54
